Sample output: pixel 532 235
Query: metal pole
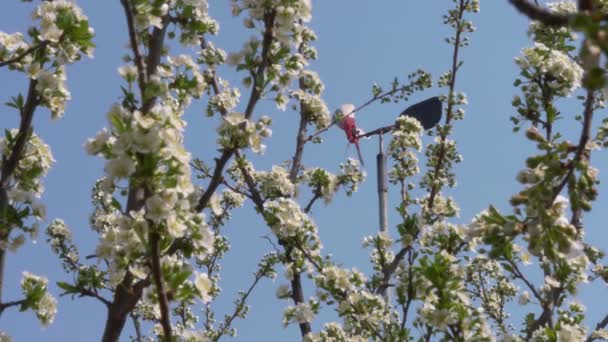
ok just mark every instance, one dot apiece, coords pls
pixel 382 187
pixel 382 199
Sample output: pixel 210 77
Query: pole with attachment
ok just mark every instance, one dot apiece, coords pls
pixel 382 197
pixel 382 186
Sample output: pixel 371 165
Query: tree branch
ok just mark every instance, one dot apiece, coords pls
pixel 220 163
pixel 391 268
pixel 10 165
pixel 31 49
pixel 600 325
pixel 127 294
pixel 436 187
pixel 126 297
pixel 239 306
pixel 540 14
pixel 25 128
pixel 134 42
pixel 94 294
pixel 157 274
pixel 4 306
pixel 583 140
pixel 312 201
pixel 297 293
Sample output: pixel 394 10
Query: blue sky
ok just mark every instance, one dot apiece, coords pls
pixel 360 42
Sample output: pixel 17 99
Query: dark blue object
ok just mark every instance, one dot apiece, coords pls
pixel 428 112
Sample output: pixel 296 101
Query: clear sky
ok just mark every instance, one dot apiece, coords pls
pixel 360 42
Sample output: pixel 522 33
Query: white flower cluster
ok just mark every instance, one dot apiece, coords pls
pixel 212 56
pixel 563 7
pixel 52 16
pixel 554 36
pixel 351 175
pixel 441 206
pixel 25 186
pixel 285 217
pixel 334 278
pixel 66 31
pixel 287 55
pixel 225 101
pixel 322 182
pixel 542 60
pixel 217 204
pixel 542 232
pixel 300 313
pixel 314 108
pixel 333 331
pixel 275 183
pixel 236 131
pixel 204 286
pixel 4 337
pixel 185 71
pixel 365 308
pixel 406 140
pixel 198 21
pixel 63 36
pixel 53 93
pixel 37 298
pixel 406 134
pixel 11 45
pixel 432 234
pixel 289 14
pixel 147 148
pixel 59 237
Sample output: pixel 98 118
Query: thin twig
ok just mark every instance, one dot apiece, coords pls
pixel 89 293
pixel 31 49
pixel 4 306
pixel 600 325
pixel 436 187
pixel 163 302
pixel 312 201
pixel 520 275
pixel 367 103
pixel 583 140
pixel 410 288
pixel 239 306
pixel 133 39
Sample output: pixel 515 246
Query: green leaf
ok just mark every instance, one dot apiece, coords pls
pixel 67 287
pixel 179 278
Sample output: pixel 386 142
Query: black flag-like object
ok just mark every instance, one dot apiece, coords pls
pixel 428 112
